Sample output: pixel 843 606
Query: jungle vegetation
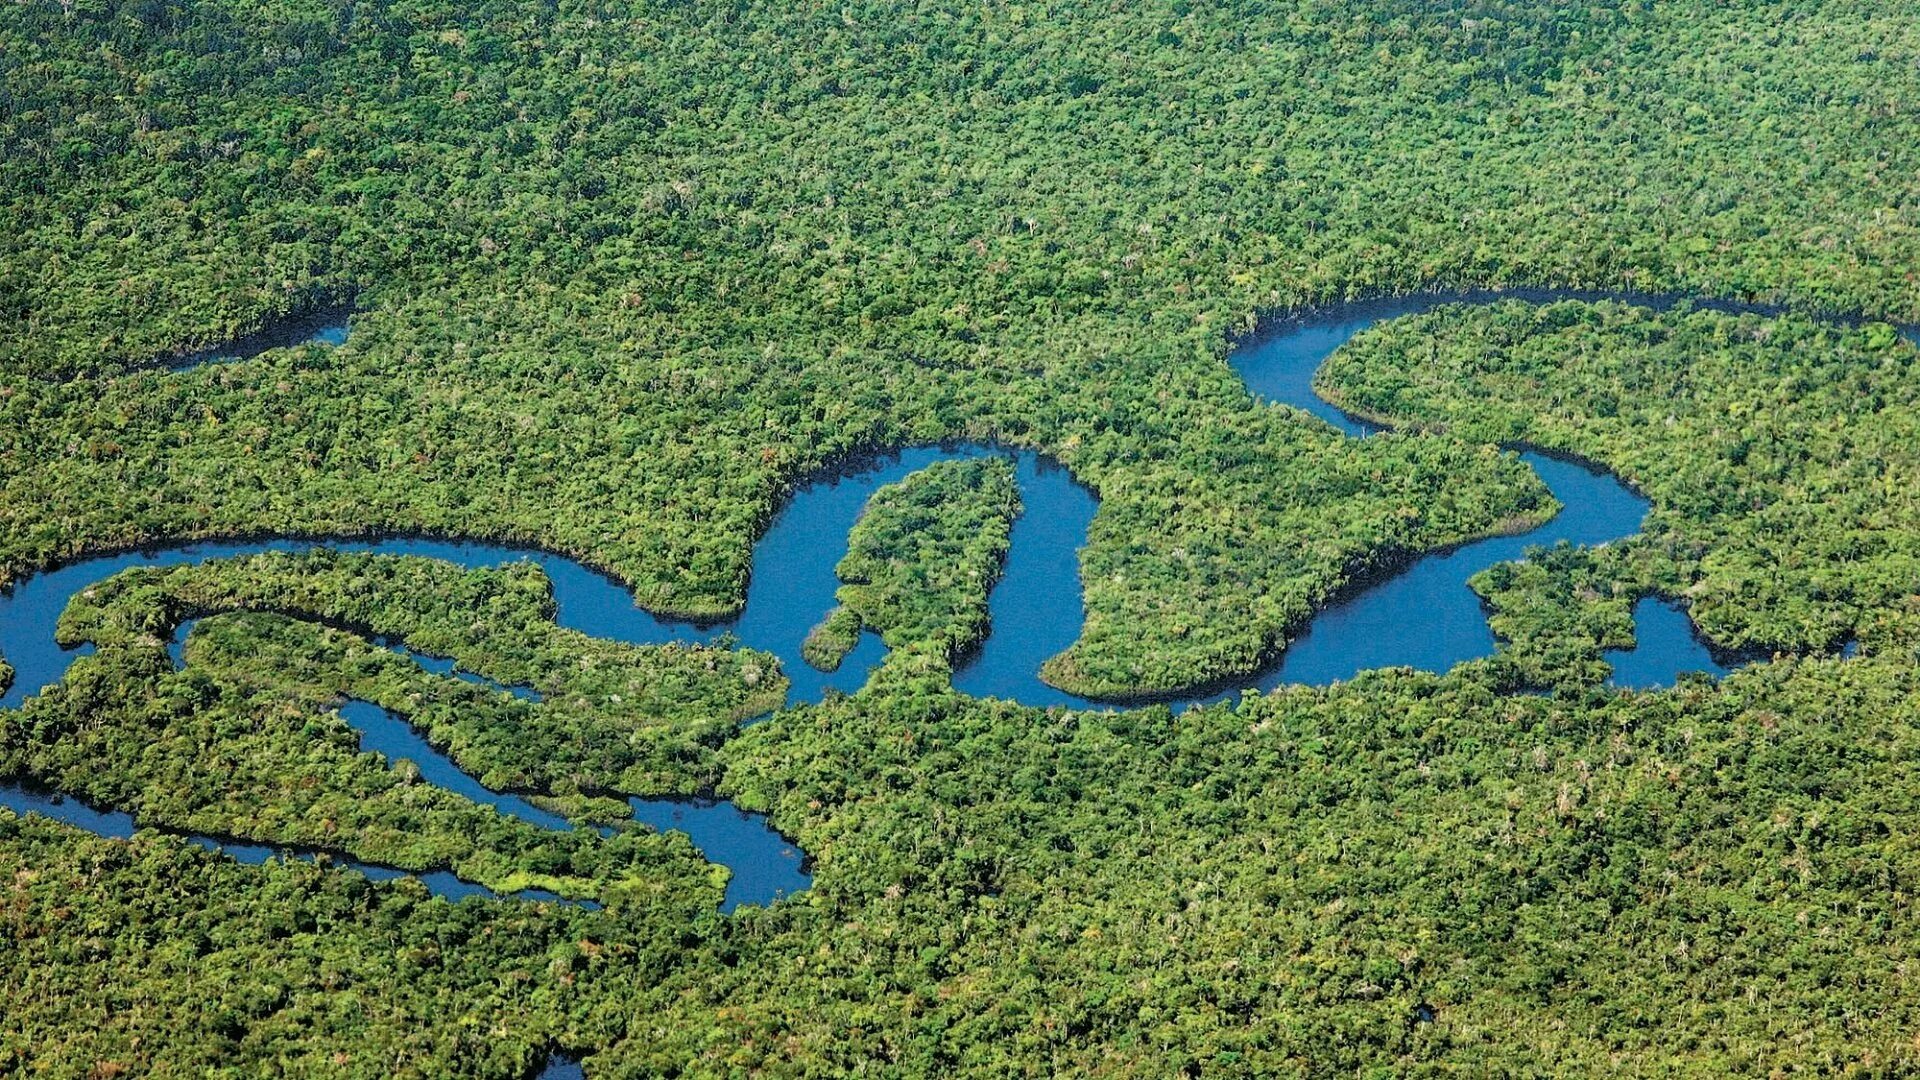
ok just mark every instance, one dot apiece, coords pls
pixel 1589 885
pixel 631 719
pixel 921 560
pixel 224 749
pixel 623 274
pixel 1782 456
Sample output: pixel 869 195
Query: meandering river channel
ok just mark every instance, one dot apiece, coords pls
pixel 1423 615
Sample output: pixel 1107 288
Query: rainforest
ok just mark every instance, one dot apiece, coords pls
pixel 639 538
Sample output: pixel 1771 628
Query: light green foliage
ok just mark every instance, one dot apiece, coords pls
pixel 243 744
pixel 1782 456
pixel 319 972
pixel 1226 597
pixel 624 274
pixel 618 308
pixel 925 552
pixel 662 470
pixel 639 719
pixel 831 639
pixel 1556 611
pixel 1574 882
pixel 1294 875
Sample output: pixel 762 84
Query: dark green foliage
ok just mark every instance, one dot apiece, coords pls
pixel 1581 886
pixel 638 719
pixel 925 552
pixel 243 744
pixel 157 958
pixel 1782 456
pixel 1588 886
pixel 1556 611
pixel 624 274
pixel 663 469
pixel 830 640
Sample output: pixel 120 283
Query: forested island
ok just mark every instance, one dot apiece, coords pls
pixel 760 539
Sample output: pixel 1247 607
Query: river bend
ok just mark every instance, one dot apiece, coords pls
pixel 1423 616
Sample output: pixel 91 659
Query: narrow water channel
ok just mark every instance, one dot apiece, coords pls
pixel 1421 615
pixel 116 825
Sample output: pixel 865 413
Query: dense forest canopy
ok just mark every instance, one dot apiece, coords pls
pixel 921 560
pixel 680 254
pixel 623 276
pixel 1780 454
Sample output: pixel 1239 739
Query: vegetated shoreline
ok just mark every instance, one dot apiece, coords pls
pixel 705 796
pixel 289 329
pixel 1722 655
pixel 1269 322
pixel 841 466
pixel 11 576
pixel 281 332
pixel 294 852
pixel 1391 426
pixel 1732 659
pixel 761 704
pixel 1385 563
pixel 1358 578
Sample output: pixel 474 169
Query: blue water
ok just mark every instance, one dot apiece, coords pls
pixel 562 1067
pixel 328 327
pixel 1422 615
pixel 177 644
pixel 383 732
pixel 765 865
pixel 1425 616
pixel 30 610
pixel 1278 363
pixel 793 581
pixel 1371 629
pixel 119 826
pixel 1035 611
pixel 440 665
pixel 1665 646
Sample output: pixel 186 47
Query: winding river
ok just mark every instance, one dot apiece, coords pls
pixel 1422 616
